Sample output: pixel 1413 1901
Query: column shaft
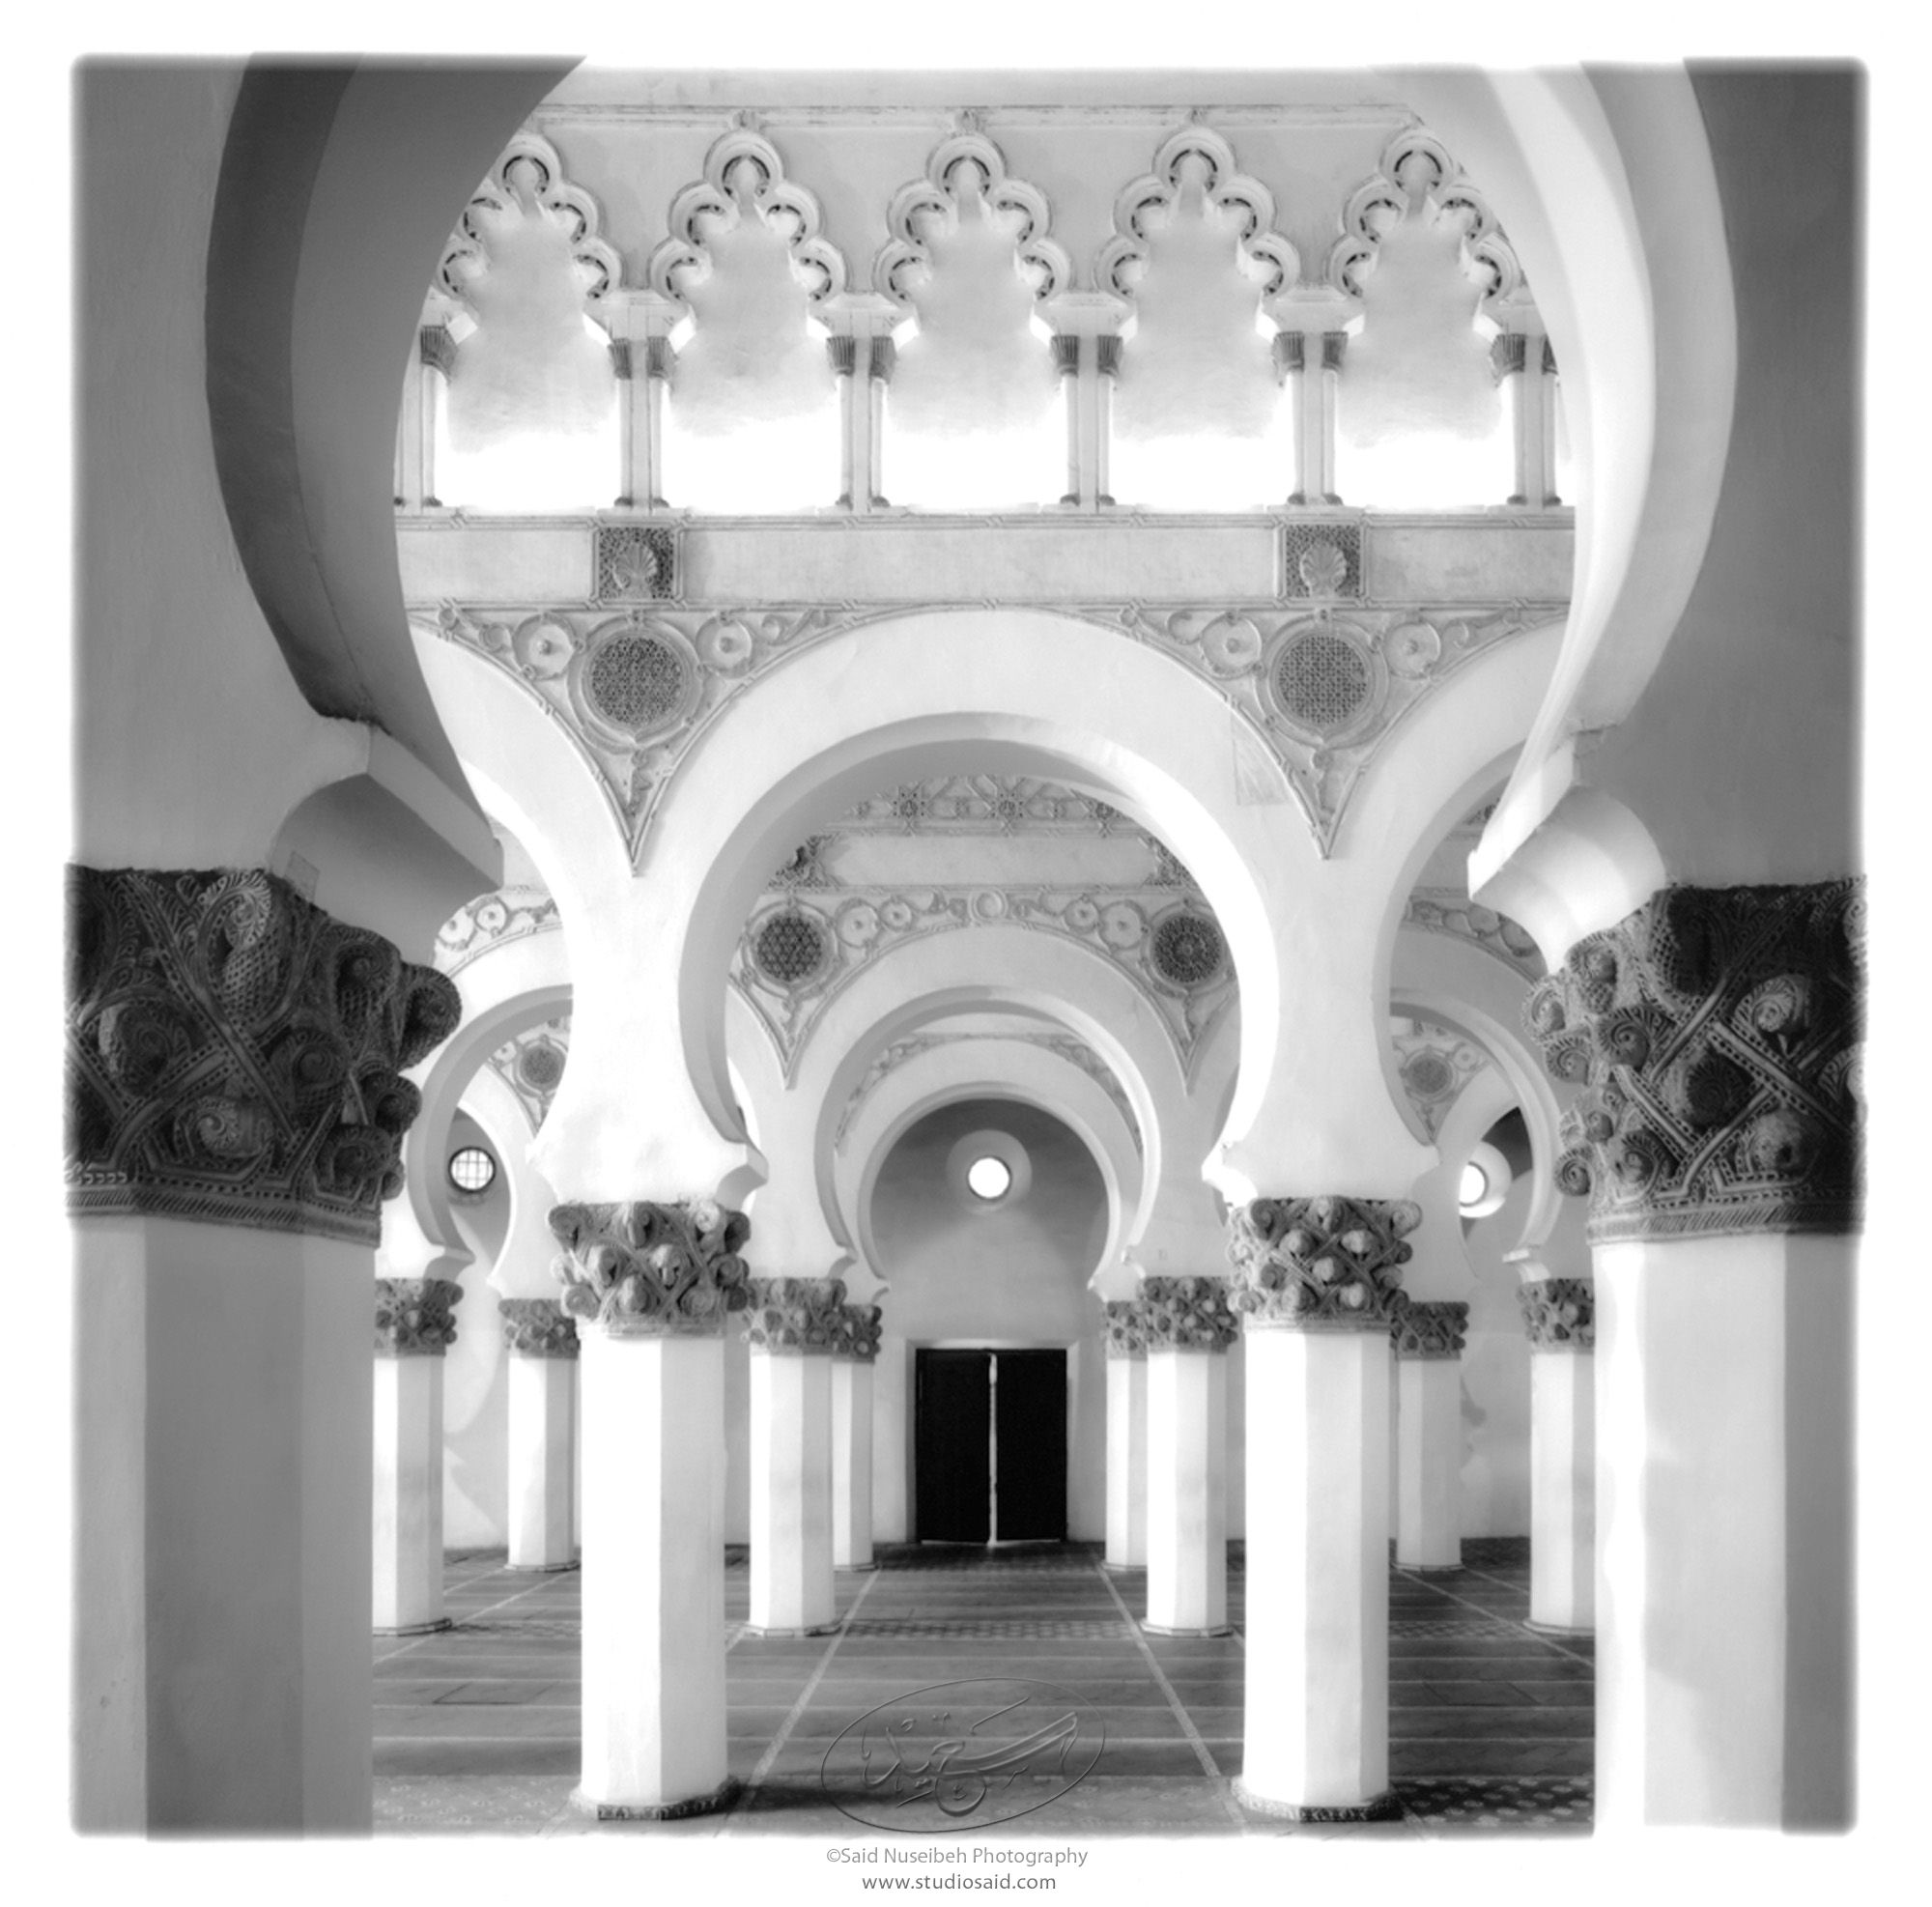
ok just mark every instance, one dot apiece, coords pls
pixel 408 1496
pixel 1126 1463
pixel 852 1463
pixel 1187 1491
pixel 653 1574
pixel 1562 1491
pixel 542 1435
pixel 222 1677
pixel 1724 1484
pixel 1316 1720
pixel 793 1586
pixel 1428 1463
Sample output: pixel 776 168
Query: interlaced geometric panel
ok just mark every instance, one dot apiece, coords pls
pixel 1428 1073
pixel 789 947
pixel 1187 949
pixel 635 682
pixel 1321 681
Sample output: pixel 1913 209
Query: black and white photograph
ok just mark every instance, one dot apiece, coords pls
pixel 963 960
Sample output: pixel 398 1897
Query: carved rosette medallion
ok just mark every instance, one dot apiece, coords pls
pixel 537 1327
pixel 638 1269
pixel 235 1055
pixel 856 1330
pixel 1715 1035
pixel 1126 1328
pixel 1186 1313
pixel 1321 1264
pixel 791 1316
pixel 1430 1329
pixel 413 1316
pixel 1559 1314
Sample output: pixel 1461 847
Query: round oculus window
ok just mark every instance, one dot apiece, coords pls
pixel 1475 1186
pixel 988 1177
pixel 472 1170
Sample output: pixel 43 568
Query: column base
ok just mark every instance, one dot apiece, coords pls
pixel 1384 1806
pixel 1429 1569
pixel 1161 1629
pixel 540 1569
pixel 855 1566
pixel 1560 1628
pixel 753 1630
pixel 1122 1569
pixel 417 1628
pixel 720 1796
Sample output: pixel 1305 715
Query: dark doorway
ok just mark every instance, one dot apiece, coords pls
pixel 989 1440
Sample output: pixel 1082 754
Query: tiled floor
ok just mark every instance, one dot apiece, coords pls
pixel 1490 1723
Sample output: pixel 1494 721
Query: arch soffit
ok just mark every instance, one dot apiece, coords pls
pixel 989 1068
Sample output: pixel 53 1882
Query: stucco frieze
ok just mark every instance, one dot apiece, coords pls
pixel 492 920
pixel 1127 1328
pixel 642 1270
pixel 532 1066
pixel 856 1330
pixel 1715 1035
pixel 1320 1264
pixel 1319 684
pixel 1559 1314
pixel 234 1054
pixel 415 1317
pixel 1429 1328
pixel 791 1316
pixel 901 265
pixel 537 1327
pixel 1188 1314
pixel 527 181
pixel 1447 911
pixel 796 954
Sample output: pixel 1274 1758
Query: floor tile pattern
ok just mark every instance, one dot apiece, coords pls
pixel 1489 1722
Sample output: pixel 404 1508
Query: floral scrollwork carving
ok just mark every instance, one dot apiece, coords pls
pixel 537 1327
pixel 796 1315
pixel 1126 1328
pixel 1320 1264
pixel 1715 1035
pixel 235 1055
pixel 1559 1314
pixel 640 1270
pixel 413 1316
pixel 856 1330
pixel 1186 1313
pixel 1432 1327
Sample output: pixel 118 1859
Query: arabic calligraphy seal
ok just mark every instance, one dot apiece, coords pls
pixel 958 1755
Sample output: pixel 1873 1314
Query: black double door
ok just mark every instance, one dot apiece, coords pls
pixel 989 1439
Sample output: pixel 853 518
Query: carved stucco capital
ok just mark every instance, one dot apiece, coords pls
pixel 1127 1328
pixel 1186 1313
pixel 1432 1327
pixel 413 1316
pixel 856 1330
pixel 1559 1314
pixel 537 1327
pixel 795 1316
pixel 1715 1035
pixel 1320 1264
pixel 640 1270
pixel 235 1054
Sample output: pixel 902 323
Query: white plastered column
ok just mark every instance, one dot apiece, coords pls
pixel 854 1351
pixel 1127 1439
pixel 792 1329
pixel 1314 1284
pixel 413 1330
pixel 543 1355
pixel 1559 1317
pixel 1724 1494
pixel 1190 1329
pixel 1428 1344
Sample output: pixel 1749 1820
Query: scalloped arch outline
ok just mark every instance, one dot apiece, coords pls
pixel 570 205
pixel 1043 264
pixel 1264 254
pixel 684 258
